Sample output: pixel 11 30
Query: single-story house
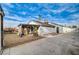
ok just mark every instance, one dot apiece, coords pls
pixel 42 28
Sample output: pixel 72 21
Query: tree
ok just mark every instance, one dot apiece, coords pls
pixel 39 17
pixel 74 26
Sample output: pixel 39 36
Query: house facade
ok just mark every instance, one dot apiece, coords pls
pixel 41 28
pixel 63 29
pixel 44 28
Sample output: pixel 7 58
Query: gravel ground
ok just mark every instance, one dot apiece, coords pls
pixel 63 44
pixel 11 40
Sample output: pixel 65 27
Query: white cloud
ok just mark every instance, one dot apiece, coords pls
pixel 59 10
pixel 16 17
pixel 10 5
pixel 9 23
pixel 6 11
pixel 33 8
pixel 63 7
pixel 70 10
pixel 76 15
pixel 75 18
pixel 23 13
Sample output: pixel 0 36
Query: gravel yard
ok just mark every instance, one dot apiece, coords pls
pixel 63 44
pixel 13 39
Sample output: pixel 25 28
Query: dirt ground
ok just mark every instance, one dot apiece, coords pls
pixel 53 34
pixel 64 44
pixel 11 40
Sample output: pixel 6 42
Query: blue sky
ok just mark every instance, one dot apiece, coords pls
pixel 16 13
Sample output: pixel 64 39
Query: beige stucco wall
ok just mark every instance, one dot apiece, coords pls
pixel 46 30
pixel 60 29
pixel 66 29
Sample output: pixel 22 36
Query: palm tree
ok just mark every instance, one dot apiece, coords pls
pixel 39 17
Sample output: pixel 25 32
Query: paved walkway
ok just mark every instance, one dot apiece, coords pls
pixel 52 45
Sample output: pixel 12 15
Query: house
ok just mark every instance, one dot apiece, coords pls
pixel 9 30
pixel 42 27
pixel 63 29
pixel 1 27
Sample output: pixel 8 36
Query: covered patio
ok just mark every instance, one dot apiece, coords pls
pixel 27 29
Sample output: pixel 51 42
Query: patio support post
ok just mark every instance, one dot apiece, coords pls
pixel 1 28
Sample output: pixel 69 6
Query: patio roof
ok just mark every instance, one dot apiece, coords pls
pixel 42 24
pixel 27 25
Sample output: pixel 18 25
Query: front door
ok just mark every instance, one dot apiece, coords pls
pixel 57 30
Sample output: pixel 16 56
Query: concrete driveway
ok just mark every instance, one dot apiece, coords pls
pixel 63 44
